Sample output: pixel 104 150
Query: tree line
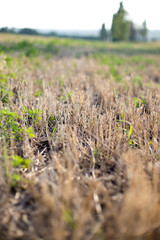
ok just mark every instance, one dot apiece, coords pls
pixel 26 31
pixel 123 29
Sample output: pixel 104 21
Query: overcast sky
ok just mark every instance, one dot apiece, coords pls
pixel 75 14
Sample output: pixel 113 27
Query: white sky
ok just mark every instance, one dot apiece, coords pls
pixel 75 14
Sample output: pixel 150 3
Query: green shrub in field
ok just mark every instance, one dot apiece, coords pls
pixel 39 93
pixel 30 132
pixel 18 161
pixel 139 102
pixel 23 45
pixel 8 60
pixel 117 77
pixel 15 180
pixel 31 52
pixel 32 115
pixel 9 125
pixel 51 48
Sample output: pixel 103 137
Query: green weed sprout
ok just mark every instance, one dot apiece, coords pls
pixel 68 218
pixel 129 133
pixel 18 161
pixel 15 180
pixel 5 93
pixel 30 132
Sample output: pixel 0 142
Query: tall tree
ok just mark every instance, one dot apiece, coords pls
pixel 120 29
pixel 103 33
pixel 133 36
pixel 144 31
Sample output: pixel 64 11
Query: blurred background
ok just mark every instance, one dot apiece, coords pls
pixel 96 20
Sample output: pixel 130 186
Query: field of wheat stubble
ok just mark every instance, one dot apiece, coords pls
pixel 80 139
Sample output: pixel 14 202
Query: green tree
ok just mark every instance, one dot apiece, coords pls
pixel 144 31
pixel 133 36
pixel 7 30
pixel 120 29
pixel 103 33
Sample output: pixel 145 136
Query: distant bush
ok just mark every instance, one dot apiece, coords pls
pixel 28 31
